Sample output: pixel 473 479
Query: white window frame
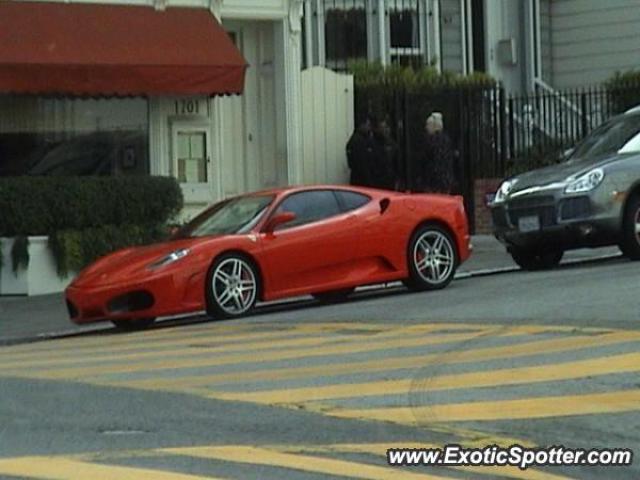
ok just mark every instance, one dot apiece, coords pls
pixel 416 51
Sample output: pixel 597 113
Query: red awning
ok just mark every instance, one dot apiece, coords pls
pixel 112 50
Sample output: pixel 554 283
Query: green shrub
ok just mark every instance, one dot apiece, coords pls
pixel 624 90
pixel 85 217
pixel 74 249
pixel 425 79
pixel 20 253
pixel 43 205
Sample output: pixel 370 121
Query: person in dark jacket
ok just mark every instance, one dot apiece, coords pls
pixel 384 172
pixel 360 154
pixel 436 168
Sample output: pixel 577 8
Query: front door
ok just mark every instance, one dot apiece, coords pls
pixel 192 164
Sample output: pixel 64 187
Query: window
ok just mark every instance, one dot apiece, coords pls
pixel 345 34
pixel 404 29
pixel 234 216
pixel 310 206
pixel 619 135
pixel 404 37
pixel 192 157
pixel 64 136
pixel 351 200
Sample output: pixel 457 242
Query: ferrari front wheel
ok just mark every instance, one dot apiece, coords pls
pixel 232 286
pixel 432 259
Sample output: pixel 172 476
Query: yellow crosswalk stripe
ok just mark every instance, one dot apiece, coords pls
pixel 305 463
pixel 53 468
pixel 203 345
pixel 215 360
pixel 80 346
pixel 526 408
pixel 539 347
pixel 380 449
pixel 492 378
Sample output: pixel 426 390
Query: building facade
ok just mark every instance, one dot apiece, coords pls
pixel 526 44
pixel 215 145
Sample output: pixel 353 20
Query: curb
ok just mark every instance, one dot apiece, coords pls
pixel 56 335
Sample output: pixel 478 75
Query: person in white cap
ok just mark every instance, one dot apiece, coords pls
pixel 435 169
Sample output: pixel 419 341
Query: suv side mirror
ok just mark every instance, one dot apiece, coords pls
pixel 279 219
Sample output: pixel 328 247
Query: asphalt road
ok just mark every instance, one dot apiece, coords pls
pixel 309 391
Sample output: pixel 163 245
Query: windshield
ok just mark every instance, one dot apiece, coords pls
pixel 234 216
pixel 620 135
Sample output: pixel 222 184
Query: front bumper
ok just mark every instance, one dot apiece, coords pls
pixel 156 297
pixel 564 222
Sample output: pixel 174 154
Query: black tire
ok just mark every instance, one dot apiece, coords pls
pixel 130 325
pixel 630 243
pixel 239 304
pixel 422 279
pixel 334 296
pixel 535 260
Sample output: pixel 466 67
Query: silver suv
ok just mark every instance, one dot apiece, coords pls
pixel 591 199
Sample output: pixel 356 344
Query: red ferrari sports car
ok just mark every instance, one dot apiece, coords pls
pixel 321 240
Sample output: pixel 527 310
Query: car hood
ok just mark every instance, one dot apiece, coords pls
pixel 128 263
pixel 558 174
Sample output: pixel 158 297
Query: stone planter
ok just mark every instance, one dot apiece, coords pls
pixel 39 278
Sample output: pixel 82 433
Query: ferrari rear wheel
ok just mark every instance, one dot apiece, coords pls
pixel 134 324
pixel 534 260
pixel 433 259
pixel 334 296
pixel 630 244
pixel 232 286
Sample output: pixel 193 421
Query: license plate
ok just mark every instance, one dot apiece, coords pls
pixel 529 224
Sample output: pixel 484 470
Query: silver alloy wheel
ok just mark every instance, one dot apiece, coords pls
pixel 433 257
pixel 637 226
pixel 234 286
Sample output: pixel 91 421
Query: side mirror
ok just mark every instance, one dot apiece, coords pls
pixel 279 219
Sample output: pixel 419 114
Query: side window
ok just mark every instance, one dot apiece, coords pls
pixel 351 200
pixel 310 206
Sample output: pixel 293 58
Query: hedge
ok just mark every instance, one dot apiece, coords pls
pixel 74 249
pixel 85 217
pixel 623 89
pixel 44 205
pixel 425 79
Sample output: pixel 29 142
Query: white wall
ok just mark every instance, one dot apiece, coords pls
pixel 327 124
pixel 504 20
pixel 592 39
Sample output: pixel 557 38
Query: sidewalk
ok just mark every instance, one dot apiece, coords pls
pixel 46 316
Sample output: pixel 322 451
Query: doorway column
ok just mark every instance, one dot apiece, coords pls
pixel 289 38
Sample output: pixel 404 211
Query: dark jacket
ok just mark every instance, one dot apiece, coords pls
pixel 360 156
pixel 436 168
pixel 385 165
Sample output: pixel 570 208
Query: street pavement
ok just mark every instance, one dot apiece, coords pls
pixel 36 318
pixel 306 391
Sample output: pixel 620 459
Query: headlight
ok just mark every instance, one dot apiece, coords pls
pixel 504 190
pixel 586 182
pixel 169 259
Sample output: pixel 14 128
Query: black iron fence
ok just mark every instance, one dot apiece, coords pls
pixel 494 134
